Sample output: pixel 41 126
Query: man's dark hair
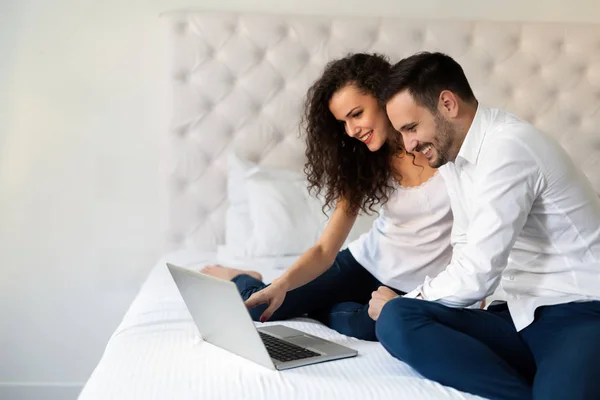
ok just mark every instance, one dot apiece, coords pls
pixel 425 75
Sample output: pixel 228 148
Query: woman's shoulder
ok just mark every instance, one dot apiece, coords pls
pixel 428 199
pixel 436 179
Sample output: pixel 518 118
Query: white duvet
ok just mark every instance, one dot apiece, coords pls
pixel 157 353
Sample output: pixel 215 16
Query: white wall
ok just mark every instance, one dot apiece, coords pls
pixel 81 113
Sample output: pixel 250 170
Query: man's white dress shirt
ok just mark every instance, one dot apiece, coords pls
pixel 525 217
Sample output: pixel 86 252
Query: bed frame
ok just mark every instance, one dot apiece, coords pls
pixel 238 82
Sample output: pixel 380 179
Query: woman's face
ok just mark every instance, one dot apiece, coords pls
pixel 361 116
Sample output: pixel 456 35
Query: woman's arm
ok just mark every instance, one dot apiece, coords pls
pixel 310 265
pixel 321 256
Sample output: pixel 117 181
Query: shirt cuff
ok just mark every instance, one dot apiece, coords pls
pixel 415 293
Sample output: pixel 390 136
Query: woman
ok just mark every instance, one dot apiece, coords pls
pixel 356 158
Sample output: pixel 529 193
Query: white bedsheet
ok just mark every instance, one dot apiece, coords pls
pixel 156 353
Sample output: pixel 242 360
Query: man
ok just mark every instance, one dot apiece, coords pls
pixel 525 217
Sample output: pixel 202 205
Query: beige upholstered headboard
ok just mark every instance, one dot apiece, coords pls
pixel 238 82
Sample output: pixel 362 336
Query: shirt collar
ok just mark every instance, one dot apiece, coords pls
pixel 469 151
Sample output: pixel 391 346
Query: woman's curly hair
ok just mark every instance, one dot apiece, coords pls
pixel 338 165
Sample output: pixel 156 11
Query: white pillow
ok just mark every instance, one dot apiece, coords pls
pixel 286 220
pixel 265 203
pixel 238 225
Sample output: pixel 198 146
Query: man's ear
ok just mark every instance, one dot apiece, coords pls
pixel 448 104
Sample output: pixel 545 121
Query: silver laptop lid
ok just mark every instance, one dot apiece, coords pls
pixel 220 314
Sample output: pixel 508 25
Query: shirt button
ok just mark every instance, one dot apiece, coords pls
pixel 512 278
pixel 514 297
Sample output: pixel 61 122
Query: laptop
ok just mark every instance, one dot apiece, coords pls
pixel 223 320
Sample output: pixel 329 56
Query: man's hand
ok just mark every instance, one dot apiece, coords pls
pixel 378 299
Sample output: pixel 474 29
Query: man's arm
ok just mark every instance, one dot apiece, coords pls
pixel 506 184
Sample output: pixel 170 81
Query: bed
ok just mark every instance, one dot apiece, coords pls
pixel 232 167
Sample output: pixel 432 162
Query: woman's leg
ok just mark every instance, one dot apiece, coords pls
pixel 346 280
pixel 350 319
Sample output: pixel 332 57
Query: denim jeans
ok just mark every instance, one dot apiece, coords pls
pixel 479 351
pixel 339 298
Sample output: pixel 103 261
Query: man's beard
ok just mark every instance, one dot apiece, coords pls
pixel 442 141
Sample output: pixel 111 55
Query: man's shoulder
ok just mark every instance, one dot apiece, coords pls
pixel 506 123
pixel 509 132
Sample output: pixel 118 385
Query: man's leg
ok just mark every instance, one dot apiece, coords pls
pixel 475 351
pixel 345 280
pixel 565 342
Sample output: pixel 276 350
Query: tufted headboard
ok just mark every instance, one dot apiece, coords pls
pixel 238 82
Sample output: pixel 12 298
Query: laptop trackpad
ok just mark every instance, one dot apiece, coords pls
pixel 306 341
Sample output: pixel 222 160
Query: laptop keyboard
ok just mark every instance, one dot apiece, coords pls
pixel 284 351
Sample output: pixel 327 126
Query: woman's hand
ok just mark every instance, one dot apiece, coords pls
pixel 273 295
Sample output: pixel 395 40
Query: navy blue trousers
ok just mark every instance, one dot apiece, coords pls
pixel 339 298
pixel 480 351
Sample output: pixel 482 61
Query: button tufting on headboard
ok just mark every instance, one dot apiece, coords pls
pixel 239 80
